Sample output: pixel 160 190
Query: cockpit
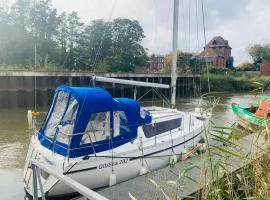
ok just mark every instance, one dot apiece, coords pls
pixel 82 121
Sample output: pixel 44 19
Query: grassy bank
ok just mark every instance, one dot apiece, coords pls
pixel 252 181
pixel 216 176
pixel 231 82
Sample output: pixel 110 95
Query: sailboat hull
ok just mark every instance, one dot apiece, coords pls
pixel 96 173
pixel 126 162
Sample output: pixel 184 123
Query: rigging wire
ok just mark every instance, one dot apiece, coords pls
pixel 189 45
pixel 189 55
pixel 198 63
pixel 155 27
pixel 184 23
pixel 197 26
pixel 189 24
pixel 98 52
pixel 154 44
pixel 102 40
pixel 35 32
pixel 204 34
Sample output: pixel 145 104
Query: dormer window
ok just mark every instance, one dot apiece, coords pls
pixel 214 42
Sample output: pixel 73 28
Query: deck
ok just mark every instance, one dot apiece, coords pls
pixel 142 188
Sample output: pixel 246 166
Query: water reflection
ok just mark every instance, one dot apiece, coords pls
pixel 14 137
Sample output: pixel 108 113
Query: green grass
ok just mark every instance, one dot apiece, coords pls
pixel 230 82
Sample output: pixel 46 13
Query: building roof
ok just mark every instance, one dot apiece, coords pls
pixel 211 50
pixel 217 41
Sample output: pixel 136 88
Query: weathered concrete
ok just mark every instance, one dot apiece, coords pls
pixel 187 85
pixel 88 74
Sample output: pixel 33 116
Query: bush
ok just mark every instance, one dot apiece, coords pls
pixel 230 82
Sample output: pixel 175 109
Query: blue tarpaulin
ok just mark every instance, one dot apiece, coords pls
pixel 89 101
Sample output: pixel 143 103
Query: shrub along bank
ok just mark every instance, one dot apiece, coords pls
pixel 231 82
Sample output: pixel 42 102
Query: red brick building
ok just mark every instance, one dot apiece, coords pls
pixel 265 68
pixel 156 63
pixel 218 53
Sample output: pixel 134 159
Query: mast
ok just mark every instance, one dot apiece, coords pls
pixel 208 81
pixel 174 53
pixel 35 70
pixel 35 49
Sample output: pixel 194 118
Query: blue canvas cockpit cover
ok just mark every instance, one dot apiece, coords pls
pixel 74 106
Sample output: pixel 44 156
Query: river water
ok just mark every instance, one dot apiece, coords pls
pixel 14 134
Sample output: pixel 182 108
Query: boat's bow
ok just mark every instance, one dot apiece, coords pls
pixel 247 118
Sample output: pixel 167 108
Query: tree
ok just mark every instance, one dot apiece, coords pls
pixel 246 66
pixel 68 31
pixel 63 40
pixel 18 14
pixel 4 34
pixel 62 36
pixel 114 46
pixel 94 44
pixel 73 27
pixel 127 51
pixel 44 23
pixel 16 45
pixel 186 62
pixel 259 52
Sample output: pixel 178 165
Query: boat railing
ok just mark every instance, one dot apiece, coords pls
pixel 112 143
pixel 92 144
pixel 78 187
pixel 206 104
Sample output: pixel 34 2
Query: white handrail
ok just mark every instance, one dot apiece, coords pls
pixel 83 190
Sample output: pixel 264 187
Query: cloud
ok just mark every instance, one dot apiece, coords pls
pixel 248 27
pixel 241 22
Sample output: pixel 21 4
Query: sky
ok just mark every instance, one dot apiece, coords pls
pixel 241 22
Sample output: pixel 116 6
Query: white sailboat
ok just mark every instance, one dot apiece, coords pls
pixel 100 141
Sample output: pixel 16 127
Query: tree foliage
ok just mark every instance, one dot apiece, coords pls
pixel 186 62
pixel 259 52
pixel 247 66
pixel 126 51
pixel 63 41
